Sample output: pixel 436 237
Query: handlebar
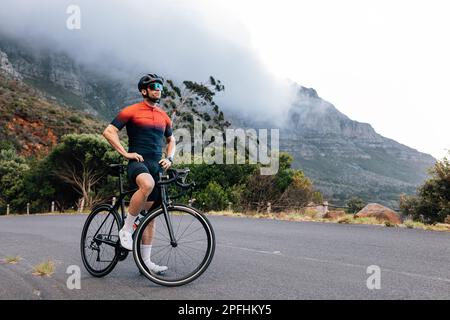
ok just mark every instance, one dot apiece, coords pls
pixel 178 176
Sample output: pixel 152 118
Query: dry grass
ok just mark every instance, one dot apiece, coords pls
pixel 419 225
pixel 12 259
pixel 288 216
pixel 56 213
pixel 46 268
pixel 350 218
pixel 226 213
pixel 68 212
pixel 311 215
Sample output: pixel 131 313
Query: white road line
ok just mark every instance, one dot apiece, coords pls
pixel 249 249
pixel 278 253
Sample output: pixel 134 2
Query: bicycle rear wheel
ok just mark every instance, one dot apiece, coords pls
pixel 192 254
pixel 100 249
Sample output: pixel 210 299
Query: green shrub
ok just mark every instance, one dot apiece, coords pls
pixel 432 202
pixel 355 205
pixel 213 197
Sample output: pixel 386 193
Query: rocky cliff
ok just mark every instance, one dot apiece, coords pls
pixel 344 157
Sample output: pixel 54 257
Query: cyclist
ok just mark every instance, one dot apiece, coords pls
pixel 146 125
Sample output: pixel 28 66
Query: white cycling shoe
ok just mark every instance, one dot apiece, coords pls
pixel 153 267
pixel 126 239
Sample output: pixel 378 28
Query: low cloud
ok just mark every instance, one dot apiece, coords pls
pixel 182 40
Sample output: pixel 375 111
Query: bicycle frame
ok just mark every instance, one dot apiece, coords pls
pixel 120 204
pixel 164 203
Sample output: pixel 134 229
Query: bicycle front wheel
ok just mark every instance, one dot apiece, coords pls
pixel 188 258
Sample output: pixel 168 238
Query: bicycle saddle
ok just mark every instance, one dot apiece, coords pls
pixel 118 168
pixel 180 171
pixel 115 165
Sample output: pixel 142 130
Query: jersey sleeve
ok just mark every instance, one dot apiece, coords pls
pixel 168 130
pixel 121 119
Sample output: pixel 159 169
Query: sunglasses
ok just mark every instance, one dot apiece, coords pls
pixel 155 86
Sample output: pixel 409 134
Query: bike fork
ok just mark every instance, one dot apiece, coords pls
pixel 173 241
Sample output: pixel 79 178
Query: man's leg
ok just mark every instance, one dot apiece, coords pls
pixel 146 247
pixel 147 236
pixel 145 183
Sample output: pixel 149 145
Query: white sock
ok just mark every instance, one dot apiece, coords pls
pixel 129 222
pixel 146 251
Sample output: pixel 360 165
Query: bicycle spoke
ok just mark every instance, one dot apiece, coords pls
pixel 161 240
pixel 182 260
pixel 154 228
pixel 190 241
pixel 159 245
pixel 168 257
pixel 194 248
pixel 163 222
pixel 168 251
pixel 193 219
pixel 90 256
pixel 178 228
pixel 155 254
pixel 201 227
pixel 186 254
pixel 175 264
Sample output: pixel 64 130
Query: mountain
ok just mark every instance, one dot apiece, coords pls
pixel 61 79
pixel 343 157
pixel 92 90
pixel 72 97
pixel 32 123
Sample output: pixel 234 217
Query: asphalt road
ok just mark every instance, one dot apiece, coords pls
pixel 254 259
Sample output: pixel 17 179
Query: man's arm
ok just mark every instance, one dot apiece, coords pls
pixel 170 152
pixel 111 134
pixel 170 148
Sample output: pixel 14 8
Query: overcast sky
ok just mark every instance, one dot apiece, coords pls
pixel 381 62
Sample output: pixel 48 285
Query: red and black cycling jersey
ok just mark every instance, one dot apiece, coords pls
pixel 146 125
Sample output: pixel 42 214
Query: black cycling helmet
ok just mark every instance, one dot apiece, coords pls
pixel 147 79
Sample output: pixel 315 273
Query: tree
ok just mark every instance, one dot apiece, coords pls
pixel 13 169
pixel 81 161
pixel 432 202
pixel 298 193
pixel 289 188
pixel 355 204
pixel 181 103
pixel 41 187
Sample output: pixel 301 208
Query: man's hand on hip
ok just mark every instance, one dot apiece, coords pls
pixel 134 156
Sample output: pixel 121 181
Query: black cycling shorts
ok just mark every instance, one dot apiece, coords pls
pixel 150 166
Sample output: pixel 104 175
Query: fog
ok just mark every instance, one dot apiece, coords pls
pixel 181 40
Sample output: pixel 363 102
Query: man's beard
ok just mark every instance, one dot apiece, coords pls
pixel 154 100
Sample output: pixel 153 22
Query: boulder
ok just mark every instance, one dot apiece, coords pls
pixel 379 212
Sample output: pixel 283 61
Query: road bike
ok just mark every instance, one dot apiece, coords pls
pixel 183 238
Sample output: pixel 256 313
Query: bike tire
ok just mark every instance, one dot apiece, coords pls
pixel 201 222
pixel 108 211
